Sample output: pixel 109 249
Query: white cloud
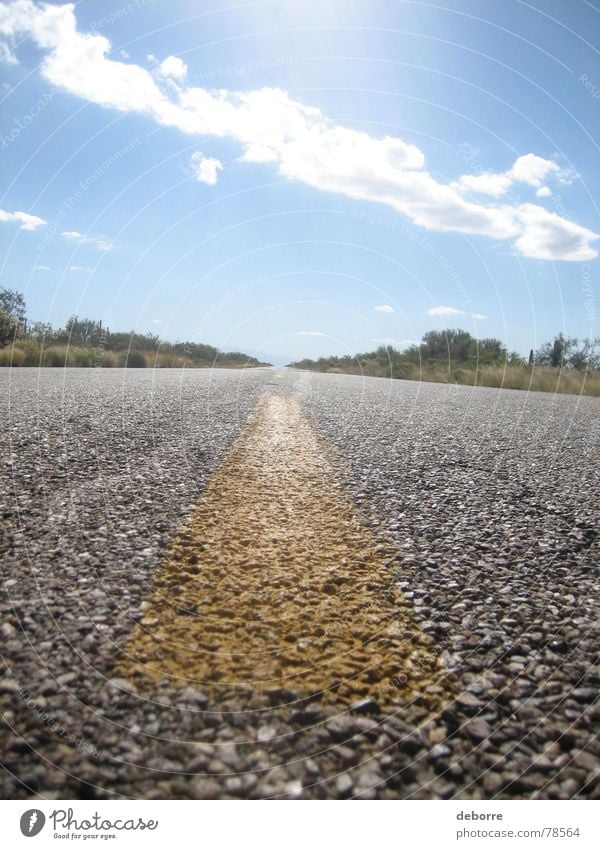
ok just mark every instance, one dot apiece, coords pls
pixel 487 183
pixel 387 340
pixel 42 268
pixel 310 333
pixel 79 268
pixel 478 316
pixel 6 54
pixel 532 169
pixel 301 142
pixel 548 236
pixel 544 192
pixel 172 68
pixel 445 311
pixel 566 176
pixel 529 169
pixel 206 168
pixel 99 242
pixel 395 343
pixel 384 308
pixel 27 222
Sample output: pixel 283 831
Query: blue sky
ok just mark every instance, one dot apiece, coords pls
pixel 297 179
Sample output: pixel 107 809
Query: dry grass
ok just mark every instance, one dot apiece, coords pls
pixel 29 353
pixel 537 379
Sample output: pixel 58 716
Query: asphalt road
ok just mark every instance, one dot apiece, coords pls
pixel 484 501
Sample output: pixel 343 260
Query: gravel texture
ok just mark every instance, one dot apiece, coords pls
pixel 274 583
pixel 484 500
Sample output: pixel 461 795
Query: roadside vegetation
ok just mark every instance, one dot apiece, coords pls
pixel 563 365
pixel 86 343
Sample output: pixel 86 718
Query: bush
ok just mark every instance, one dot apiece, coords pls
pixel 32 352
pixel 54 357
pixel 166 360
pixel 12 357
pixel 134 359
pixel 107 360
pixel 81 357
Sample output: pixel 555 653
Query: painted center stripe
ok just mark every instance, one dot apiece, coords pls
pixel 275 582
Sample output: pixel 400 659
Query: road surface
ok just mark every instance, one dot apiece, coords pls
pixel 268 583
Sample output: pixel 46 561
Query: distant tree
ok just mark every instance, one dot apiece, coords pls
pixel 135 359
pixel 559 349
pixel 462 345
pixel 458 346
pixel 515 359
pixel 13 316
pixel 435 345
pixel 147 342
pixel 9 329
pixel 40 331
pixel 81 331
pixel 587 356
pixel 457 350
pixel 118 341
pixel 196 350
pixel 491 349
pixel 557 352
pixel 412 354
pixel 13 304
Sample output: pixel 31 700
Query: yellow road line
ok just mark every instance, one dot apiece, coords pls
pixel 275 582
